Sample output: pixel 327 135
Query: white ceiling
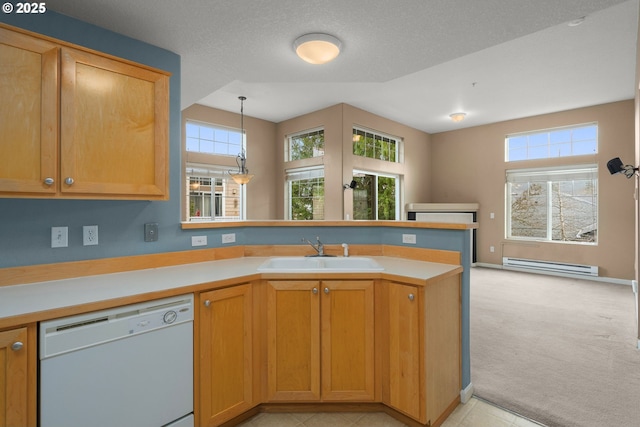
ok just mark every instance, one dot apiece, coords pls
pixel 413 61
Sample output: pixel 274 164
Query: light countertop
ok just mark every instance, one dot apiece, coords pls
pixel 47 298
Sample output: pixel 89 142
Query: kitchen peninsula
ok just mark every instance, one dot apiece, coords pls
pixel 431 273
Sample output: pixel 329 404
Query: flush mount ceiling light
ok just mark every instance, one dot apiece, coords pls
pixel 457 117
pixel 317 48
pixel 576 22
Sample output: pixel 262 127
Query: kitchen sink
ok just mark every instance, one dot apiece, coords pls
pixel 301 264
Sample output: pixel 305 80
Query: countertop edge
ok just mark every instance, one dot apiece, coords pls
pixel 50 299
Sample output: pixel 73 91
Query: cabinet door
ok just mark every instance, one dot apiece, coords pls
pixel 28 114
pixel 14 382
pixel 406 391
pixel 347 338
pixel 293 340
pixel 114 128
pixel 225 365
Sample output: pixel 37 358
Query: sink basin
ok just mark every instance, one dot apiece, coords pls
pixel 301 264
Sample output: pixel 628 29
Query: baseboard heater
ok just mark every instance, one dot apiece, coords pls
pixel 549 266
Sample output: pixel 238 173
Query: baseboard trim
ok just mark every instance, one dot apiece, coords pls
pixel 466 393
pixel 613 280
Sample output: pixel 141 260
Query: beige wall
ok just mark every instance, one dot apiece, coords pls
pixel 468 166
pixel 261 157
pixel 339 162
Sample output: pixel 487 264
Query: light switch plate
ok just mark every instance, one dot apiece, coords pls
pixel 151 232
pixel 59 237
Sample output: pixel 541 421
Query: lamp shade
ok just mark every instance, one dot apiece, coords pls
pixel 317 48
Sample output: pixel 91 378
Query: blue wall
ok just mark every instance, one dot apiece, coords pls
pixel 25 224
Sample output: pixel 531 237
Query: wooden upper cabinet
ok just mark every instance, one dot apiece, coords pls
pixel 114 129
pixel 28 114
pixel 79 124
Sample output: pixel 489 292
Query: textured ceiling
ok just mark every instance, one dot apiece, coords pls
pixel 413 61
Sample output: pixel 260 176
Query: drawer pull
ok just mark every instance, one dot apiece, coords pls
pixel 411 297
pixel 17 346
pixel 49 181
pixel 315 291
pixel 207 303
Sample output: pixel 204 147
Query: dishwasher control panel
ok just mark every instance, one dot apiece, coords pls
pixel 72 333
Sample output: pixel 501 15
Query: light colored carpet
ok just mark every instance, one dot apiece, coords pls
pixel 557 350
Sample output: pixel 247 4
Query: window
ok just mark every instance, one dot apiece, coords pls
pixel 212 195
pixel 305 145
pixel 560 142
pixel 375 146
pixel 559 205
pixel 203 138
pixel 376 196
pixel 305 190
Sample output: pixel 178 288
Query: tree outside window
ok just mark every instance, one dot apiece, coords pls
pixel 375 197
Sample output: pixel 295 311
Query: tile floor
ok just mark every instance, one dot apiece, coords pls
pixel 474 413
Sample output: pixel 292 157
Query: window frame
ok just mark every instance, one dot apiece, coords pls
pixel 214 172
pixel 531 136
pixel 398 190
pixel 214 127
pixel 304 173
pixel 209 165
pixel 307 132
pixel 549 176
pixel 398 151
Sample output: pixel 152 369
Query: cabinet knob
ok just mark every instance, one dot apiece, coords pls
pixel 68 180
pixel 207 303
pixel 315 291
pixel 326 290
pixel 49 181
pixel 17 346
pixel 411 297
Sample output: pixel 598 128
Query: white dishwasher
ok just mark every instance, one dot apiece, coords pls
pixel 127 366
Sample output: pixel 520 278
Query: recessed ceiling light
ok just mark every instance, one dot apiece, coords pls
pixel 317 48
pixel 457 117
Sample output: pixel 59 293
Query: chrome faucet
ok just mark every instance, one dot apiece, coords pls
pixel 319 246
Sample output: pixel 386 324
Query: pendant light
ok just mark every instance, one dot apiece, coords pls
pixel 242 175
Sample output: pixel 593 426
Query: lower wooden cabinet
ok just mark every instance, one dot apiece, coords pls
pixel 18 377
pixel 224 374
pixel 406 386
pixel 320 340
pixel 424 362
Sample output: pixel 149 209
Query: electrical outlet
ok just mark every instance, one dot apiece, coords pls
pixel 59 237
pixel 198 240
pixel 89 235
pixel 409 238
pixel 229 238
pixel 492 249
